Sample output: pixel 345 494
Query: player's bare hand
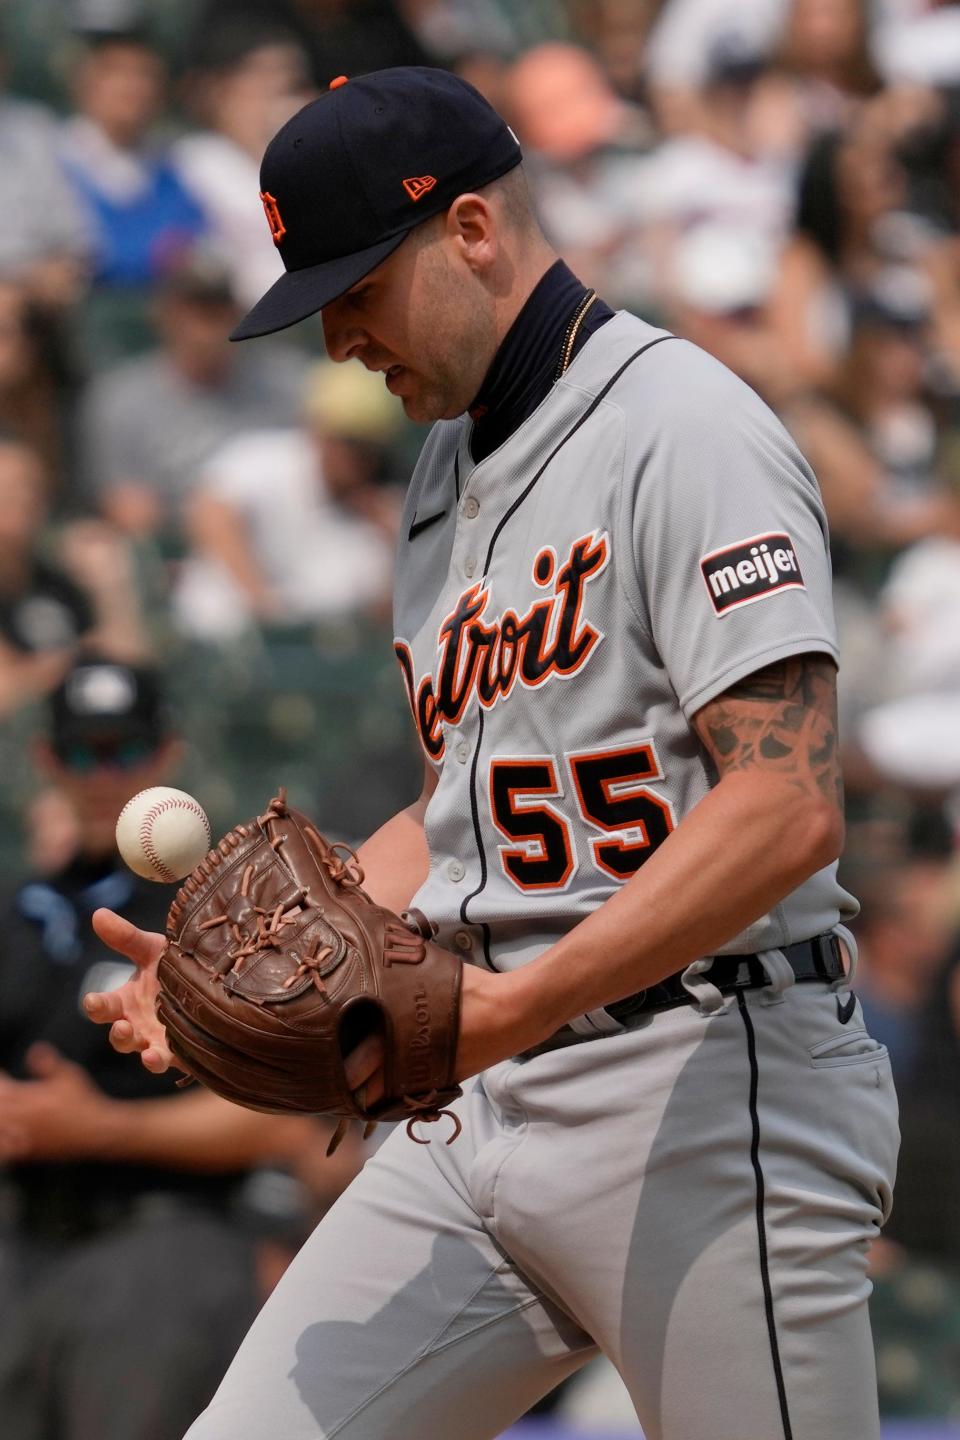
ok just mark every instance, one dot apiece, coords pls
pixel 130 1010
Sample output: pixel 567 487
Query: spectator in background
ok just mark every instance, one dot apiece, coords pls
pixel 911 738
pixel 873 442
pixel 251 77
pixel 52 597
pixel 44 242
pixel 34 380
pixel 314 543
pixel 616 31
pixel 582 144
pixel 139 209
pixel 720 167
pixel 718 288
pixel 904 937
pixel 928 1189
pixel 109 1173
pixel 920 43
pixel 150 426
pixel 357 35
pixel 821 72
pixel 909 987
pixel 851 192
pixel 882 381
pixel 456 30
pixel 349 37
pixel 684 37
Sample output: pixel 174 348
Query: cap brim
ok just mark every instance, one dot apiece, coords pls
pixel 301 293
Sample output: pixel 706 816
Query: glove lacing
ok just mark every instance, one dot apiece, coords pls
pixel 344 869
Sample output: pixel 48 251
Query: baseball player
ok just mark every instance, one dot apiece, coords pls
pixel 613 620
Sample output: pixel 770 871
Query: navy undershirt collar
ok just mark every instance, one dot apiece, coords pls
pixel 525 366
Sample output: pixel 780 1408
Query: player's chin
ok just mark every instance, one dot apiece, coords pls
pixel 418 407
pixel 420 404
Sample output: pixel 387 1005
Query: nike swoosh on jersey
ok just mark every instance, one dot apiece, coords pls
pixel 845 1008
pixel 419 525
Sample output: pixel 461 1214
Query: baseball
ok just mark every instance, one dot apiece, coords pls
pixel 163 833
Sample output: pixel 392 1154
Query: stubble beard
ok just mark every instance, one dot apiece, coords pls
pixel 456 355
pixel 442 394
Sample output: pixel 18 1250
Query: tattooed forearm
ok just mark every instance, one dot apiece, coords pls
pixel 782 718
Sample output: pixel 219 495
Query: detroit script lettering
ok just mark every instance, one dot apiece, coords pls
pixel 483 660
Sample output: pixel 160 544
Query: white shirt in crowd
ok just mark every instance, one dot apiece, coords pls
pixel 319 560
pixel 226 182
pixel 909 39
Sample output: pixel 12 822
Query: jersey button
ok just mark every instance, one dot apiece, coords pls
pixel 462 751
pixel 462 940
pixel 469 566
pixel 455 870
pixel 471 507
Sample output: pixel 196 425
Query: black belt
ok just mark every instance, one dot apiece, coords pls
pixel 818 959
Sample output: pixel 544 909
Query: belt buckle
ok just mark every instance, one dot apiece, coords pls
pixel 826 948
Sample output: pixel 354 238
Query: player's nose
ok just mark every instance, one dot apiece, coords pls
pixel 343 337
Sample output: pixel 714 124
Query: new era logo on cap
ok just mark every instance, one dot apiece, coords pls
pixel 750 570
pixel 418 185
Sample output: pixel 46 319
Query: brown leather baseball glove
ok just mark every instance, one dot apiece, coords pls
pixel 278 963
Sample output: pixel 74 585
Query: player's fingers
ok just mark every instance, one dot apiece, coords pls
pixel 124 1038
pixel 103 1006
pixel 364 1059
pixel 371 1092
pixel 143 947
pixel 156 1059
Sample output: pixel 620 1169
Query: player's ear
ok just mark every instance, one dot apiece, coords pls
pixel 470 224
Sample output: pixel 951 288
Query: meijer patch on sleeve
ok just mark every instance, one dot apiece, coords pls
pixel 750 570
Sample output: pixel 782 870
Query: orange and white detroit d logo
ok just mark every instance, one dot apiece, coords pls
pixel 272 212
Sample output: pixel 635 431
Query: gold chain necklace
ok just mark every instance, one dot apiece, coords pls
pixel 566 354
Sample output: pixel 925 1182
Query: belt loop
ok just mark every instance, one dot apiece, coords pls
pixel 695 980
pixel 849 941
pixel 779 973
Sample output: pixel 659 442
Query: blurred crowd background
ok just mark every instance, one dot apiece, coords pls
pixel 195 569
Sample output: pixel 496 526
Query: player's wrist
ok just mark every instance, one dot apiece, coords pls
pixel 498 1019
pixel 526 1009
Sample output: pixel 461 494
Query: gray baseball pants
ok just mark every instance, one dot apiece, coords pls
pixel 695 1197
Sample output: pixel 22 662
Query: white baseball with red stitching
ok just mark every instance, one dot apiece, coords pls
pixel 163 833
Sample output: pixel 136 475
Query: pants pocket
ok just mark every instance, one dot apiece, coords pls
pixel 851 1048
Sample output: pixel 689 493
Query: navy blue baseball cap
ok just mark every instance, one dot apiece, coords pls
pixel 353 172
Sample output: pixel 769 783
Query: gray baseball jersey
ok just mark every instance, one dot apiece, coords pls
pixel 648 537
pixel 695 1195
